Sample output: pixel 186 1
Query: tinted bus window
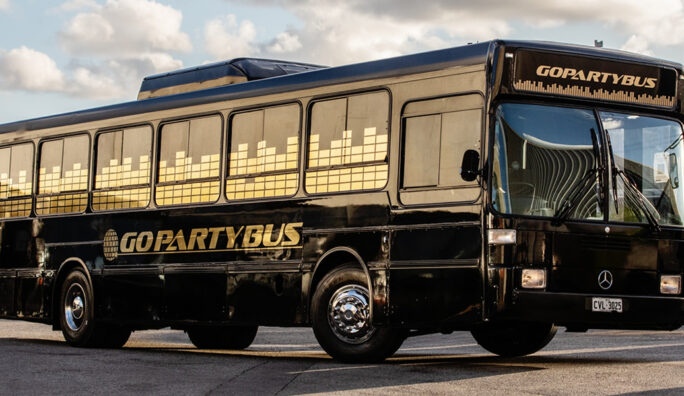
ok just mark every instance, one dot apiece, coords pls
pixel 437 132
pixel 348 144
pixel 63 175
pixel 263 153
pixel 189 159
pixel 421 144
pixel 122 174
pixel 16 180
pixel 434 147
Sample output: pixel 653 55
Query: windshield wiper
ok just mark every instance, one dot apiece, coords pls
pixel 587 180
pixel 639 200
pixel 632 192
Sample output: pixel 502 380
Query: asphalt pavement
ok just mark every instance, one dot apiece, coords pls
pixel 288 361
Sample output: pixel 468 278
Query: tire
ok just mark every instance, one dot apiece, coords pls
pixel 76 316
pixel 113 337
pixel 348 335
pixel 510 338
pixel 222 337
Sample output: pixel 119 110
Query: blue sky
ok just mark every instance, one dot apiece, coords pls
pixel 59 56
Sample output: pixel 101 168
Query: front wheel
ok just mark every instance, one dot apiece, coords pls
pixel 222 337
pixel 512 338
pixel 341 319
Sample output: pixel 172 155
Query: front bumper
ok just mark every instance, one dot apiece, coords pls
pixel 574 310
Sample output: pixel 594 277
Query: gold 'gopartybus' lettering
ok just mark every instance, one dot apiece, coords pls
pixel 566 73
pixel 178 242
pixel 292 234
pixel 198 235
pixel 163 237
pixel 125 246
pixel 268 231
pixel 233 236
pixel 144 242
pixel 253 236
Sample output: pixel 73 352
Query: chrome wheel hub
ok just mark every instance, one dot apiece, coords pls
pixel 349 314
pixel 74 307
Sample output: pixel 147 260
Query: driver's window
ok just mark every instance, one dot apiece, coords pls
pixel 436 134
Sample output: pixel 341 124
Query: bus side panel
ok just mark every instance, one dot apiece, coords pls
pixel 267 298
pixel 345 228
pixel 7 282
pixel 169 274
pixel 435 274
pixel 435 298
pixel 134 297
pixel 22 282
pixel 195 295
pixel 30 294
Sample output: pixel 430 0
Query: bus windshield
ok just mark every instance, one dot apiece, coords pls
pixel 547 160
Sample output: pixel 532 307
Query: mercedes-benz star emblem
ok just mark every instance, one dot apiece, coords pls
pixel 605 279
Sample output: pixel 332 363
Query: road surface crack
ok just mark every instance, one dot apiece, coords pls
pixel 294 377
pixel 238 375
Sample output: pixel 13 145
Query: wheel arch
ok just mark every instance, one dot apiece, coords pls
pixel 332 259
pixel 66 267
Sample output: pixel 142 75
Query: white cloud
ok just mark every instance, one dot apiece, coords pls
pixel 4 4
pixel 284 42
pixel 225 38
pixel 74 5
pixel 125 28
pixel 336 32
pixel 30 70
pixel 115 43
pixel 90 84
pixel 344 32
pixel 27 69
pixel 637 44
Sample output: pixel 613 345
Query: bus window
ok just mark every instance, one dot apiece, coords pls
pixel 263 153
pixel 348 144
pixel 189 159
pixel 63 175
pixel 122 174
pixel 421 144
pixel 436 135
pixel 16 179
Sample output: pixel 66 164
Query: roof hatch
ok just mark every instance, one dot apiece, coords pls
pixel 217 74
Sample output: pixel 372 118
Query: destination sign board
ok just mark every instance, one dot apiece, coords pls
pixel 593 78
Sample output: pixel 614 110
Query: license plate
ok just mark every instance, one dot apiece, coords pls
pixel 602 304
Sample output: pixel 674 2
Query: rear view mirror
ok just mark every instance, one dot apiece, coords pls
pixel 470 167
pixel 674 171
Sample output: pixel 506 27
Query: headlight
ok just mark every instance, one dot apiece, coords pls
pixel 501 237
pixel 533 279
pixel 670 284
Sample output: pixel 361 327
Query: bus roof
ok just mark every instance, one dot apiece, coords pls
pixel 218 74
pixel 471 54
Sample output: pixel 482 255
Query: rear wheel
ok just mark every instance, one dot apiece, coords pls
pixel 113 336
pixel 513 338
pixel 77 316
pixel 341 319
pixel 222 337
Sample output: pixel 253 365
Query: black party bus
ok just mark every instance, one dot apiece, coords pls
pixel 503 188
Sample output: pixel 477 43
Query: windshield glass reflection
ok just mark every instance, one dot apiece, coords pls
pixel 649 151
pixel 542 155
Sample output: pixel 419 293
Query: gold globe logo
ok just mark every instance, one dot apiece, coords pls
pixel 111 245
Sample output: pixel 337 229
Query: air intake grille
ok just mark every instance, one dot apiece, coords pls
pixel 597 243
